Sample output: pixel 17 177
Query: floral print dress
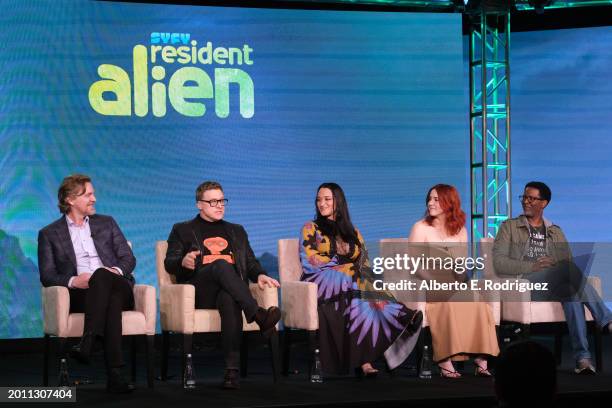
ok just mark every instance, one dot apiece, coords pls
pixel 357 324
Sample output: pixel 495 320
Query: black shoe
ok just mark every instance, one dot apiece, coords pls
pixel 116 384
pixel 231 379
pixel 82 351
pixel 267 319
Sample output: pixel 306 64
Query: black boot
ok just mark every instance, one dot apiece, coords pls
pixel 231 379
pixel 116 384
pixel 82 351
pixel 267 319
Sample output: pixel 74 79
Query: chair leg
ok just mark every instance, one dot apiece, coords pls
pixel 558 348
pixel 525 331
pixel 133 356
pixel 164 356
pixel 62 341
pixel 149 349
pixel 273 343
pixel 187 347
pixel 244 354
pixel 62 349
pixel 312 346
pixel 46 361
pixel 598 346
pixel 286 351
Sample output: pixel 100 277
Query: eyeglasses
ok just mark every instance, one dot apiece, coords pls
pixel 529 199
pixel 214 203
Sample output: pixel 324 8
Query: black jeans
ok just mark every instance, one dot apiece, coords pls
pixel 108 295
pixel 219 286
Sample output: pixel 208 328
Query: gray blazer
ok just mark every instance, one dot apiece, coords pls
pixel 56 257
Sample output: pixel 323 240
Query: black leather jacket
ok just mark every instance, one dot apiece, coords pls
pixel 182 240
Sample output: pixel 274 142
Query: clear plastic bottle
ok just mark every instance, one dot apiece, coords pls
pixel 189 377
pixel 425 367
pixel 316 375
pixel 64 379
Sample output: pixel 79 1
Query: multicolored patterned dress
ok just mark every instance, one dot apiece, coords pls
pixel 357 324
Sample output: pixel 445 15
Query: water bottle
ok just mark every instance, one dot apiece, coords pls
pixel 425 368
pixel 316 376
pixel 64 381
pixel 188 376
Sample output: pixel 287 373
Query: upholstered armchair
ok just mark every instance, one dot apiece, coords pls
pixel 299 299
pixel 59 322
pixel 179 315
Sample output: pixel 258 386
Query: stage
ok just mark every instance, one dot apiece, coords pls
pixel 401 388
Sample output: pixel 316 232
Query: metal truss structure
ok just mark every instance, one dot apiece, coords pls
pixel 489 75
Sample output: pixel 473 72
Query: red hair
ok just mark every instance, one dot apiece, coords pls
pixel 449 201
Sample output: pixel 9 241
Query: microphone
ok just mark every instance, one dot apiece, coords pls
pixel 198 247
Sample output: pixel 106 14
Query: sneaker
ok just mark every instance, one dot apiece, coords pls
pixel 584 366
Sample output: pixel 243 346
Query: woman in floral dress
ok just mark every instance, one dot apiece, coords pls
pixel 357 324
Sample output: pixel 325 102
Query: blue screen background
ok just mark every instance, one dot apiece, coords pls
pixel 377 102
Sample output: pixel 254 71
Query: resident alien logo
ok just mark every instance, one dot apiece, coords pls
pixel 186 88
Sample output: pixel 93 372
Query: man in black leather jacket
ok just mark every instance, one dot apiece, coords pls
pixel 215 256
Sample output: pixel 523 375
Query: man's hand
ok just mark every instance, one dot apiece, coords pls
pixel 81 281
pixel 189 260
pixel 113 270
pixel 542 263
pixel 263 281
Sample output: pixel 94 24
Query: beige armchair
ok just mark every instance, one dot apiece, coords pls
pixel 534 317
pixel 59 322
pixel 179 315
pixel 299 299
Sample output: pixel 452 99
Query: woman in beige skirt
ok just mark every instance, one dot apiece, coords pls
pixel 458 329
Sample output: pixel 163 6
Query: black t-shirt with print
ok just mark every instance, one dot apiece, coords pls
pixel 536 247
pixel 213 241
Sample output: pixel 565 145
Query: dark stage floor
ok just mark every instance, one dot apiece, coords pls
pixel 403 388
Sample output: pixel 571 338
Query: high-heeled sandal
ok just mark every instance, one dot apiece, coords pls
pixel 446 373
pixel 370 373
pixel 479 371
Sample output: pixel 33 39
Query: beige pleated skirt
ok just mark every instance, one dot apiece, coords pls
pixel 461 329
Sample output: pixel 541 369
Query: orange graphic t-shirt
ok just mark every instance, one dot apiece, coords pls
pixel 214 242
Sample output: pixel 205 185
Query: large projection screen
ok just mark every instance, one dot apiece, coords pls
pixel 151 100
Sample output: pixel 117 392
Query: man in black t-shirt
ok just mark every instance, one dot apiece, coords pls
pixel 215 256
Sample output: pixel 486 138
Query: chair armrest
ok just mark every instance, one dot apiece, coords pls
pixel 595 282
pixel 145 302
pixel 56 308
pixel 491 297
pixel 266 297
pixel 177 308
pixel 299 305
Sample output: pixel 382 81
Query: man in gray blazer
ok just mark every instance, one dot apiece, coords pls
pixel 88 254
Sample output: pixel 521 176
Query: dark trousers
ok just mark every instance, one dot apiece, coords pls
pixel 219 286
pixel 108 295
